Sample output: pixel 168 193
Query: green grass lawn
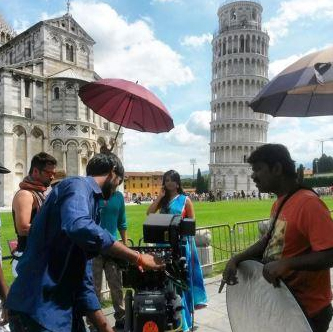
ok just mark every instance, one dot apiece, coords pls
pixel 207 214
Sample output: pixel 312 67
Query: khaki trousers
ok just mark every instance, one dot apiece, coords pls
pixel 114 280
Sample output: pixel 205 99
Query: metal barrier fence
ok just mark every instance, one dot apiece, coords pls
pixel 226 241
pixel 220 240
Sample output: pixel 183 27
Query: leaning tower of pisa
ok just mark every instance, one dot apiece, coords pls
pixel 239 71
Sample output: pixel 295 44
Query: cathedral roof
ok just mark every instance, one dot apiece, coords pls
pixel 68 24
pixel 65 23
pixel 72 73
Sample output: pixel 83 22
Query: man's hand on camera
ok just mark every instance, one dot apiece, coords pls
pixel 150 262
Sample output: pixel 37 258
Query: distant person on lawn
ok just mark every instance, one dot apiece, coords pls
pixel 298 247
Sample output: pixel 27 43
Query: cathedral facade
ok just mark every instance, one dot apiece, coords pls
pixel 239 71
pixel 41 71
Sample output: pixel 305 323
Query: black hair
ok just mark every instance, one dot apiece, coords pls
pixel 41 160
pixel 174 176
pixel 103 164
pixel 271 154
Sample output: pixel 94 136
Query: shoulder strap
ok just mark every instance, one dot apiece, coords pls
pixel 285 199
pixel 269 234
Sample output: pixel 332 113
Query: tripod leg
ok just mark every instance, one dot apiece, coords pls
pixel 128 311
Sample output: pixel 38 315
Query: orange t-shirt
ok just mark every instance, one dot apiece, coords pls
pixel 304 225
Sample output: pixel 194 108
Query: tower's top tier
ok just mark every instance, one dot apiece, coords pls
pixel 239 15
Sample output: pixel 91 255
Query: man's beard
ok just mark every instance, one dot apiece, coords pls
pixel 108 188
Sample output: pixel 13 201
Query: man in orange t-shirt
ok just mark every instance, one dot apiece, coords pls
pixel 299 248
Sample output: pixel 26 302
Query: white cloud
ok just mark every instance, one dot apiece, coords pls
pixel 294 10
pixel 199 123
pixel 197 41
pixel 302 136
pixel 275 67
pixel 195 130
pixel 171 150
pixel 129 49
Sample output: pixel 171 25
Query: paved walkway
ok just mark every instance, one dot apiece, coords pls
pixel 215 316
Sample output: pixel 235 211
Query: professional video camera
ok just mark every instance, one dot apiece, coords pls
pixel 156 303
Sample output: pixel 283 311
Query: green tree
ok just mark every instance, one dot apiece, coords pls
pixel 300 174
pixel 200 185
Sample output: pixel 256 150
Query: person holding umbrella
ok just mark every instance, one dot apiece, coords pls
pixel 298 248
pixel 54 287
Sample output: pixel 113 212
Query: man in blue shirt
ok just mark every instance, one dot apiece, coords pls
pixel 113 219
pixel 54 284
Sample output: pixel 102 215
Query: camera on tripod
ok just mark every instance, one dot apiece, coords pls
pixel 156 303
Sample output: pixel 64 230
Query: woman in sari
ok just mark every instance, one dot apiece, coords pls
pixel 172 200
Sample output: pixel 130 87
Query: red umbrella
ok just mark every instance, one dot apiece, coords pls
pixel 127 104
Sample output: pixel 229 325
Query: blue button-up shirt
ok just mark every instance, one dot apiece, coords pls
pixel 55 274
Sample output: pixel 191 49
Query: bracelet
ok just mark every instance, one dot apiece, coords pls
pixel 138 261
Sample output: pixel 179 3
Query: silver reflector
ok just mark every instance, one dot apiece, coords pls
pixel 254 305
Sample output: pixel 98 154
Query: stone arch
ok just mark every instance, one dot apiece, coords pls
pixel 56 93
pixel 258 44
pixel 228 110
pixel 242 44
pixel 69 50
pixel 234 110
pixel 224 46
pixel 247 66
pixel 36 140
pixel 223 110
pixel 223 89
pixel 247 88
pixel 100 142
pixel 57 152
pixel 247 44
pixel 241 66
pixel 240 110
pixel 253 67
pixel 72 158
pixel 228 90
pixel 20 146
pixel 262 47
pixel 235 42
pixel 229 67
pixel 253 44
pixel 229 45
pixel 218 111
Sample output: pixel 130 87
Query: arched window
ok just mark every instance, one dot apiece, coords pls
pixel 69 52
pixel 233 14
pixel 56 93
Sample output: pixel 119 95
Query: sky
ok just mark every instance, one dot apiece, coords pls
pixel 165 45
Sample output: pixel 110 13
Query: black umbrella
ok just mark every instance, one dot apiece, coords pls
pixel 4 170
pixel 305 88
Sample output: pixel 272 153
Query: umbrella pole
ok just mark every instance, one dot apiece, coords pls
pixel 121 123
